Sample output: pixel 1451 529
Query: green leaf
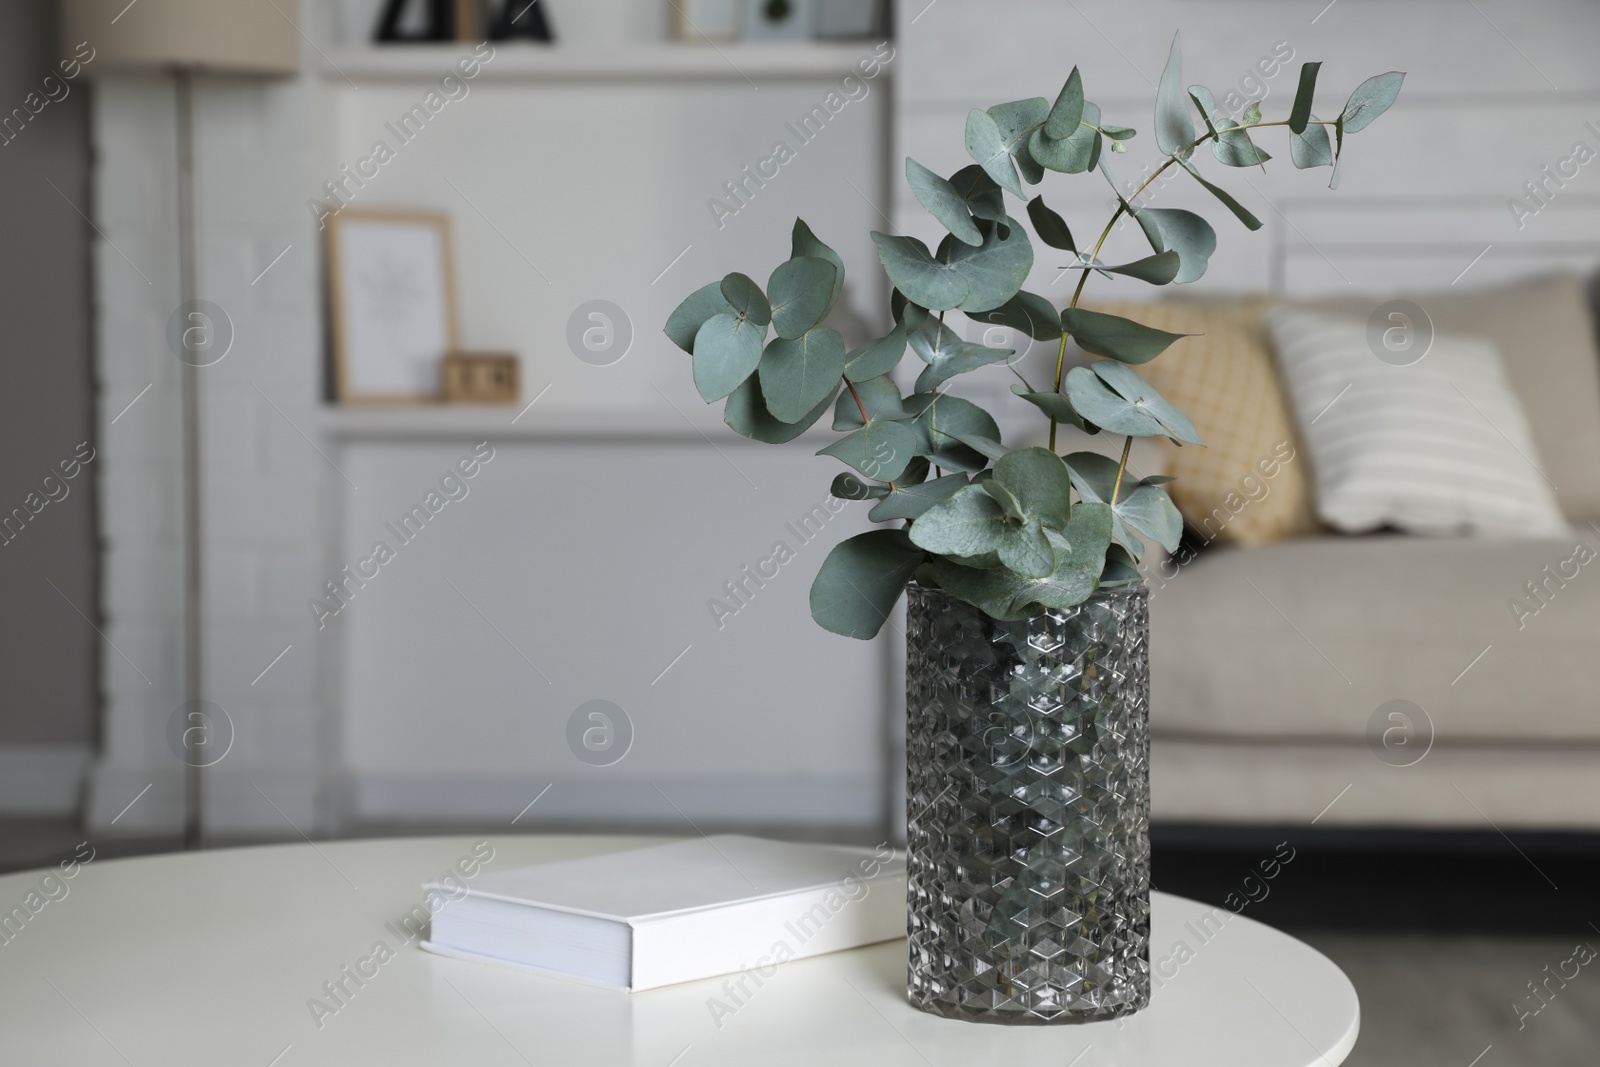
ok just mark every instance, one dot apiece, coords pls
pixel 1004 594
pixel 969 523
pixel 943 202
pixel 805 243
pixel 1116 337
pixel 1075 153
pixel 1252 114
pixel 1371 99
pixel 914 272
pixel 1056 406
pixel 1183 232
pixel 798 373
pixel 1095 476
pixel 941 421
pixel 913 501
pixel 1051 227
pixel 984 198
pixel 1040 482
pixel 993 271
pixel 984 446
pixel 1016 121
pixel 1338 151
pixel 986 145
pixel 746 413
pixel 1026 550
pixel 876 357
pixel 1118 133
pixel 1174 124
pixel 1234 148
pixel 861 580
pixel 1312 148
pixel 1115 398
pixel 1207 105
pixel 1300 113
pixel 726 352
pixel 849 486
pixel 1121 569
pixel 1238 209
pixel 801 291
pixel 916 472
pixel 911 316
pixel 878 397
pixel 1025 313
pixel 1067 111
pixel 1158 269
pixel 748 300
pixel 1149 511
pixel 947 355
pixel 692 314
pixel 880 449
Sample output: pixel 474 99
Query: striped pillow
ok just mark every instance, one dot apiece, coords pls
pixel 1437 447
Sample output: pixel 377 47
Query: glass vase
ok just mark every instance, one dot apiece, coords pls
pixel 1028 808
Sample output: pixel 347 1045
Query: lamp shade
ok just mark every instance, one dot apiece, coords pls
pixel 220 36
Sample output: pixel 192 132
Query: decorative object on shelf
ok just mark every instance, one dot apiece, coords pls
pixel 1026 646
pixel 417 21
pixel 392 295
pixel 705 20
pixel 850 19
pixel 519 20
pixel 480 378
pixel 778 20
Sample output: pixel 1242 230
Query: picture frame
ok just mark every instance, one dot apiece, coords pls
pixel 392 303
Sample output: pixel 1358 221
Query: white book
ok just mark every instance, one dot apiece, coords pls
pixel 679 912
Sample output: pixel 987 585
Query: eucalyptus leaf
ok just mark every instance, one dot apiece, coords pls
pixel 1149 511
pixel 947 355
pixel 1075 153
pixel 984 446
pixel 913 501
pixel 986 145
pixel 849 486
pixel 876 357
pixel 1026 313
pixel 1006 595
pixel 1311 148
pixel 1026 550
pixel 1234 148
pixel 970 522
pixel 981 193
pixel 1159 269
pixel 1121 570
pixel 1040 482
pixel 1252 114
pixel 1056 406
pixel 880 449
pixel 1016 122
pixel 1116 337
pixel 746 413
pixel 1183 232
pixel 1174 124
pixel 1338 151
pixel 692 314
pixel 803 242
pixel 1118 133
pixel 1207 106
pixel 941 420
pixel 1051 227
pixel 878 397
pixel 943 202
pixel 914 272
pixel 1371 99
pixel 1067 111
pixel 1115 398
pixel 798 373
pixel 1300 112
pixel 748 300
pixel 801 291
pixel 861 580
pixel 1239 210
pixel 911 316
pixel 994 271
pixel 726 352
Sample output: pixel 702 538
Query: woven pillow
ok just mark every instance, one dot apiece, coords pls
pixel 1438 447
pixel 1250 485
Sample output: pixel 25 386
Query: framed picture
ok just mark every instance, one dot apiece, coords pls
pixel 393 302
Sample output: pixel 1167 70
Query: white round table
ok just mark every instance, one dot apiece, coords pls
pixel 217 957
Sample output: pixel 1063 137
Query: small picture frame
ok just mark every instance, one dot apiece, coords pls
pixel 391 290
pixel 778 20
pixel 481 378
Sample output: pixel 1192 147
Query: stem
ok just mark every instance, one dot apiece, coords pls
pixel 848 384
pixel 1122 465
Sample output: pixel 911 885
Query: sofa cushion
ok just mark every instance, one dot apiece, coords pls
pixel 1306 638
pixel 1544 331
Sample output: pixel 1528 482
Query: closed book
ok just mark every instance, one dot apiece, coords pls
pixel 656 916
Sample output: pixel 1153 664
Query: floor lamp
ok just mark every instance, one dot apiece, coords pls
pixel 185 39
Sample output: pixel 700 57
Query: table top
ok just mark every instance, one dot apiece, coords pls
pixel 220 957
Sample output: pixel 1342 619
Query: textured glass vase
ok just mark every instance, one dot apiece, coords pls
pixel 1028 807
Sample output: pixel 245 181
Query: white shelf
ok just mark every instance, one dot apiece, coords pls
pixel 634 61
pixel 434 422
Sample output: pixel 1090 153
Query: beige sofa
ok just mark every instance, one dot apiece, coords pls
pixel 1269 665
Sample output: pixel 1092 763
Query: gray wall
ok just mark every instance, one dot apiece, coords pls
pixel 47 650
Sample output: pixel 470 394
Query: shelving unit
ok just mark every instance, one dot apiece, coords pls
pixel 636 61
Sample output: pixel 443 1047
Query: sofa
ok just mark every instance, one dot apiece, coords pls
pixel 1276 667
